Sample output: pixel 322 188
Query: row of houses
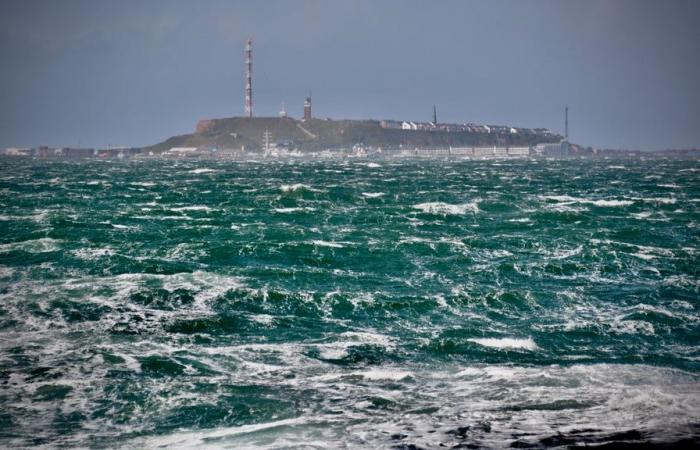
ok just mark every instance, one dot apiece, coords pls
pixel 461 127
pixel 462 152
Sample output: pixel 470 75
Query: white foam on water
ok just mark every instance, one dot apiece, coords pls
pixel 331 351
pixel 339 348
pixel 385 374
pixel 632 327
pixel 662 200
pixel 183 217
pixel 330 244
pixel 42 245
pixel 297 187
pixel 641 215
pixel 373 194
pixel 611 203
pixel 559 198
pixel 193 208
pixel 567 199
pixel 469 372
pixel 644 256
pixel 202 170
pixel 562 253
pixel 264 319
pixel 499 253
pixel 292 209
pixel 652 251
pixel 91 254
pixel 506 343
pixel 6 272
pixel 367 337
pixel 447 208
pixel 682 304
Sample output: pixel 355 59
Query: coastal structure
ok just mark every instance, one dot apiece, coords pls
pixel 283 111
pixel 307 108
pixel 249 79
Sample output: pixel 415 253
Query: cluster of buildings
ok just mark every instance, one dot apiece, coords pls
pixel 462 128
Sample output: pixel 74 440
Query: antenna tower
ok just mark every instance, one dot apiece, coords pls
pixel 566 123
pixel 249 78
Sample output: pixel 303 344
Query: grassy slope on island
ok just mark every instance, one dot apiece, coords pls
pixel 319 134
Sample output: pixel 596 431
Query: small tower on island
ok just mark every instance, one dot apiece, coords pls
pixel 307 108
pixel 283 111
pixel 434 115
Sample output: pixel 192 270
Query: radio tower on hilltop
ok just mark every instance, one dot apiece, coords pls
pixel 249 78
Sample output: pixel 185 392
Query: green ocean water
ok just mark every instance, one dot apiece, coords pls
pixel 348 304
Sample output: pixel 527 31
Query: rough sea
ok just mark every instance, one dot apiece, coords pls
pixel 349 304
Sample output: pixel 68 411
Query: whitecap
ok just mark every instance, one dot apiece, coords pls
pixel 385 374
pixel 610 202
pixel 43 245
pixel 644 256
pixel 372 194
pixel 292 209
pixel 506 343
pixel 196 171
pixel 632 327
pixel 320 243
pixel 567 199
pixel 447 208
pixel 91 254
pixel 663 200
pixel 193 208
pixel 296 187
pixel 566 253
pixel 6 272
pixel 641 215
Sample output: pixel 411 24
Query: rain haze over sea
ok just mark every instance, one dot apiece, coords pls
pixel 349 303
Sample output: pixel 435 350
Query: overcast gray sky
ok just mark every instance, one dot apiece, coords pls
pixel 97 73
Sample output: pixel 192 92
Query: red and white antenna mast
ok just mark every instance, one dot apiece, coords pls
pixel 249 78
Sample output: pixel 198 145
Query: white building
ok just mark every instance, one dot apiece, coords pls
pixel 518 151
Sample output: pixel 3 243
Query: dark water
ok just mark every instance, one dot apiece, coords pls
pixel 349 304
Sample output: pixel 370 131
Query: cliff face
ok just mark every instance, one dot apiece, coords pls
pixel 318 134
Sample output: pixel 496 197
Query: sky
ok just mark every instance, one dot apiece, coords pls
pixel 99 73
